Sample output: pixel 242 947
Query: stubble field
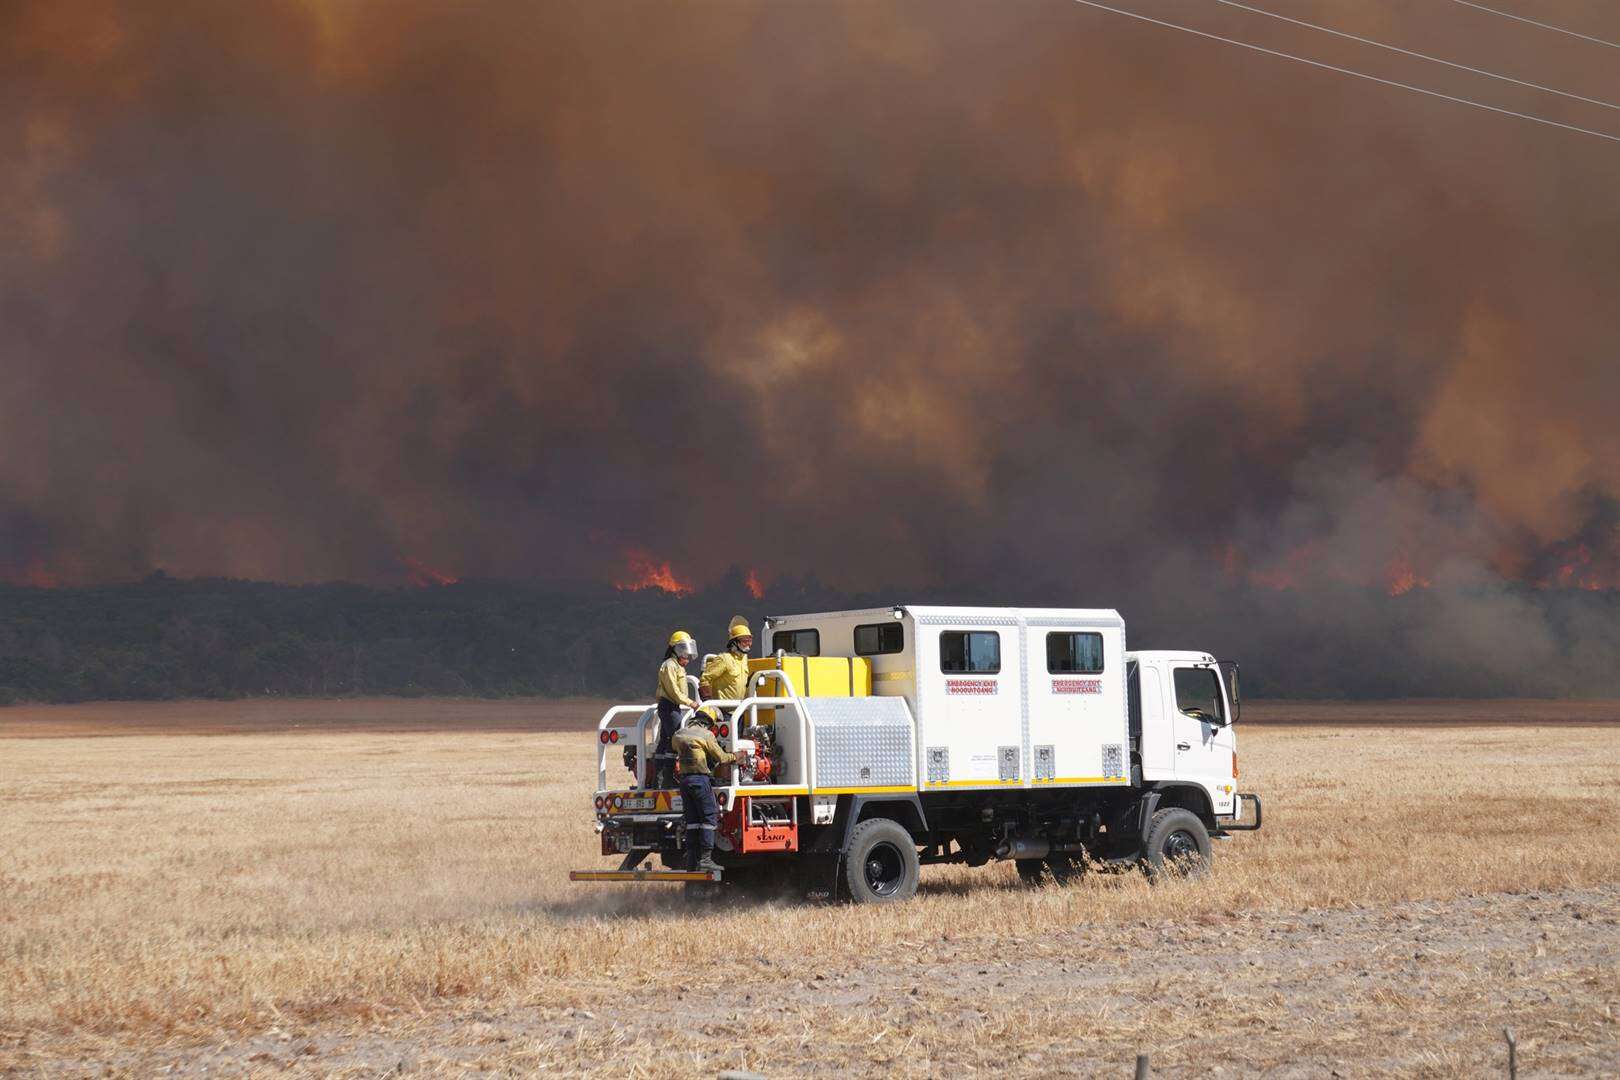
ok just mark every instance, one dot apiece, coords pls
pixel 351 888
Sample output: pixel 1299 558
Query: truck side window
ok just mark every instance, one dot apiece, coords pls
pixel 1199 689
pixel 975 651
pixel 875 639
pixel 798 642
pixel 1071 653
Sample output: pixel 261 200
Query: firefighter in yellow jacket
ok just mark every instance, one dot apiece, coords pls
pixel 725 676
pixel 672 698
pixel 700 754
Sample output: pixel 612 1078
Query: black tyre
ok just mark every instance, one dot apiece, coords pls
pixel 880 863
pixel 1177 845
pixel 1031 872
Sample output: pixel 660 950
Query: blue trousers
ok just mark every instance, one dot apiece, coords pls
pixel 702 815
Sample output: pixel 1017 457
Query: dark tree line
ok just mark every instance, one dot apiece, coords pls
pixel 167 638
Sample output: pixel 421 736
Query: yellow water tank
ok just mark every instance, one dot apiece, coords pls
pixel 812 676
pixel 819 676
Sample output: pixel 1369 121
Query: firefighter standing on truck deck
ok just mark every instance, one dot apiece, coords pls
pixel 725 676
pixel 700 753
pixel 672 698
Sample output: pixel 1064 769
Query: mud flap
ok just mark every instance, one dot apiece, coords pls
pixel 818 874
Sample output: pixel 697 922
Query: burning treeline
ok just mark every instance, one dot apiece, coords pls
pixel 1003 297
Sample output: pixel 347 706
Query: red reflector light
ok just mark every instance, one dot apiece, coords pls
pixel 613 736
pixel 599 802
pixel 603 736
pixel 725 729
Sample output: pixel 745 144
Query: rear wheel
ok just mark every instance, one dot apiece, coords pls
pixel 880 863
pixel 1177 845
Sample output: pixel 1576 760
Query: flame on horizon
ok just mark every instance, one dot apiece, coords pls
pixel 645 572
pixel 423 576
pixel 1401 578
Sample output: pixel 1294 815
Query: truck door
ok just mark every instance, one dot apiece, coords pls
pixel 1202 731
pixel 1157 736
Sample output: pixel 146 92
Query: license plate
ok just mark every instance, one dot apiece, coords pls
pixel 638 802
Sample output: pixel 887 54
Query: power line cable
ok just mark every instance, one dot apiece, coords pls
pixel 1418 55
pixel 1533 22
pixel 1348 71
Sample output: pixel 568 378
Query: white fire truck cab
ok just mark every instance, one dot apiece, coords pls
pixel 874 742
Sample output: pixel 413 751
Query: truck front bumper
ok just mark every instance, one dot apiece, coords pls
pixel 1236 823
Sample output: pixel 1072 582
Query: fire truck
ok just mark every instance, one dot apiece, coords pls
pixel 875 742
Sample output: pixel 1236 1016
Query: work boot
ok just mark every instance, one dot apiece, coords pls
pixel 705 851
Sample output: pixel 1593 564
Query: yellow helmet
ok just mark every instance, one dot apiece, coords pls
pixel 679 636
pixel 739 628
pixel 682 643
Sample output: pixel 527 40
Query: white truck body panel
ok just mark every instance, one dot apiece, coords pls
pixel 1019 724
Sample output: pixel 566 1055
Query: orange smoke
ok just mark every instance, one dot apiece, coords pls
pixel 644 572
pixel 756 587
pixel 422 575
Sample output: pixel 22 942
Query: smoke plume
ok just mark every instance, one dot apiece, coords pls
pixel 1021 299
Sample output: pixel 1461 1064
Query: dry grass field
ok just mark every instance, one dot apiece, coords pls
pixel 353 889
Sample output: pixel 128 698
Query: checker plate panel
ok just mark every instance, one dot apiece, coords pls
pixel 862 742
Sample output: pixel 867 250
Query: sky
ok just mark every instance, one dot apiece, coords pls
pixel 1024 296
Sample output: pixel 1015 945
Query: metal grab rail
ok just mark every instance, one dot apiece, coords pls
pixel 605 723
pixel 752 704
pixel 641 730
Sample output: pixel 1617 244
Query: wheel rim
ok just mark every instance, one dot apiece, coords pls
pixel 1180 847
pixel 885 868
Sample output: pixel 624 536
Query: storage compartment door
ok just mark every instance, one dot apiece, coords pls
pixel 973 724
pixel 1077 723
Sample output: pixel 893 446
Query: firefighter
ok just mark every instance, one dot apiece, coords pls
pixel 725 676
pixel 700 754
pixel 672 698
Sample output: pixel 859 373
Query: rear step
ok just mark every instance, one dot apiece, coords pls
pixel 643 875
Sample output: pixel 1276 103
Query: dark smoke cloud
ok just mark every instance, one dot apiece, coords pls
pixel 1020 295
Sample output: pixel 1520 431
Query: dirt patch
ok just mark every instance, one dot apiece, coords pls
pixel 1436 712
pixel 316 715
pixel 1412 989
pixel 403 715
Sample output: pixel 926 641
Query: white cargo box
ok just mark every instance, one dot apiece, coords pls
pixel 1002 697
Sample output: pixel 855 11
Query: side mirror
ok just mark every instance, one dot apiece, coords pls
pixel 1229 676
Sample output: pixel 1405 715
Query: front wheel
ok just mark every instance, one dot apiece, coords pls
pixel 1177 845
pixel 880 863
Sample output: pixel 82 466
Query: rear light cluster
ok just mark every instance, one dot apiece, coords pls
pixel 609 802
pixel 609 736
